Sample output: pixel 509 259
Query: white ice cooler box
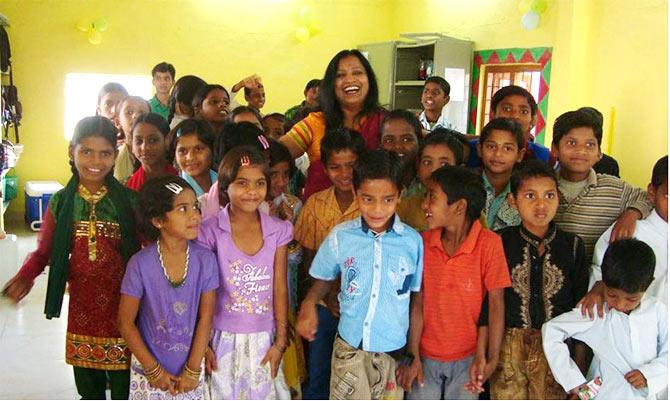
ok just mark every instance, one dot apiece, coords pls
pixel 38 194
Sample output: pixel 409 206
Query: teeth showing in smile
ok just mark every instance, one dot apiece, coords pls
pixel 94 170
pixel 429 102
pixel 351 89
pixel 428 214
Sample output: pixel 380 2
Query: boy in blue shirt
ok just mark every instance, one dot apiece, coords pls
pixel 381 262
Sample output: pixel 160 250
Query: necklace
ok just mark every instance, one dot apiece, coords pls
pixel 92 200
pixel 174 284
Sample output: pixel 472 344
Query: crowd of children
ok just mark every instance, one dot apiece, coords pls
pixel 201 241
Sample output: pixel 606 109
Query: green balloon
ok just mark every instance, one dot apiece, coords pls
pixel 539 6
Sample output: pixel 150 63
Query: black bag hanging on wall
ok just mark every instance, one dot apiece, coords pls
pixel 11 107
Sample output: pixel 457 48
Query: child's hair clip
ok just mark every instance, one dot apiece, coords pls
pixel 174 187
pixel 245 161
pixel 264 142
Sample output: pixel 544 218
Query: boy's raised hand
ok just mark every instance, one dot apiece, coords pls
pixel 406 374
pixel 624 227
pixel 636 379
pixel 308 321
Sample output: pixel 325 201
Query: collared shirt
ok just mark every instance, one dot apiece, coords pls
pixel 441 122
pixel 379 270
pixel 159 108
pixel 545 286
pixel 499 214
pixel 196 187
pixel 654 232
pixel 244 301
pixel 621 343
pixel 319 215
pixel 454 287
pixel 599 204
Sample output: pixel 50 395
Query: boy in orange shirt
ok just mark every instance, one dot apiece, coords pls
pixel 463 263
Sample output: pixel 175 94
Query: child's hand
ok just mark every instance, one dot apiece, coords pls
pixel 166 382
pixel 625 225
pixel 210 361
pixel 406 374
pixel 593 297
pixel 186 383
pixel 480 371
pixel 17 288
pixel 636 379
pixel 307 322
pixel 273 356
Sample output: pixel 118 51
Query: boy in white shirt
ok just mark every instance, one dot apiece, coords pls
pixel 653 231
pixel 629 342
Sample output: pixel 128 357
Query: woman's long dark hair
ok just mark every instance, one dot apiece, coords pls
pixel 328 101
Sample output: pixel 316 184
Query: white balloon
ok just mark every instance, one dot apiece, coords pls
pixel 530 20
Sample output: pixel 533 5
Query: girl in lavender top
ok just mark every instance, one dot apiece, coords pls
pixel 250 322
pixel 168 296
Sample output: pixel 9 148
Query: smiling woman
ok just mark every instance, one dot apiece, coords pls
pixel 348 97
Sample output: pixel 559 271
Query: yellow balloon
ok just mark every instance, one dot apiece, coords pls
pixel 100 24
pixel 524 6
pixel 83 24
pixel 302 34
pixel 94 37
pixel 539 6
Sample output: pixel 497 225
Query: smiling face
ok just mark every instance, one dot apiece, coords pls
pixel 183 221
pixel 517 108
pixel 340 169
pixel 149 145
pixel 193 156
pixel 93 158
pixel 537 202
pixel 312 96
pixel 433 97
pixel 214 107
pixel 256 98
pixel 131 108
pixel 377 201
pixel 351 83
pixel 248 189
pixel 438 212
pixel 500 152
pixel 433 157
pixel 577 151
pixel 399 137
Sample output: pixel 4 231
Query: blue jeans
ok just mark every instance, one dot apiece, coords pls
pixel 320 353
pixel 443 381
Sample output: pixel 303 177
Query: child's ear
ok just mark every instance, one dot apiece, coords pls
pixel 446 100
pixel 461 206
pixel 511 201
pixel 157 222
pixel 651 194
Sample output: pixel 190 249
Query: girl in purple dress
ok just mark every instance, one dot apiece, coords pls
pixel 250 322
pixel 168 296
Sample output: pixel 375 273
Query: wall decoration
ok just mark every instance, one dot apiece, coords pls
pixel 539 55
pixel 93 27
pixel 309 25
pixel 532 11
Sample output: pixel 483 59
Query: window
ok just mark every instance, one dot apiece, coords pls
pixel 81 94
pixel 526 76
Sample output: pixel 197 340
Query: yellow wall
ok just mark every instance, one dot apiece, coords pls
pixel 221 41
pixel 607 54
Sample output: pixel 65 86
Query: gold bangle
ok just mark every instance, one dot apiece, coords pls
pixel 193 374
pixel 154 375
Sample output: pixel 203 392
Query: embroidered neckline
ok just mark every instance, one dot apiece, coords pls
pixel 92 200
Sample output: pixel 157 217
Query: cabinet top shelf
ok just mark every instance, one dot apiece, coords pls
pixel 415 45
pixel 410 83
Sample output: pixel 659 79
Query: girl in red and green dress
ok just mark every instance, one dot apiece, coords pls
pixel 87 236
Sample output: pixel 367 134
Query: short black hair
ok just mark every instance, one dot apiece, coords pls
pixel 341 139
pixel 513 90
pixel 594 112
pixel 628 265
pixel 503 124
pixel 111 87
pixel 531 169
pixel 408 117
pixel 164 67
pixel 154 119
pixel 279 153
pixel 458 182
pixel 444 85
pixel 277 116
pixel 577 119
pixel 446 137
pixel 659 174
pixel 155 200
pixel 378 164
pixel 238 134
pixel 313 83
pixel 245 109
